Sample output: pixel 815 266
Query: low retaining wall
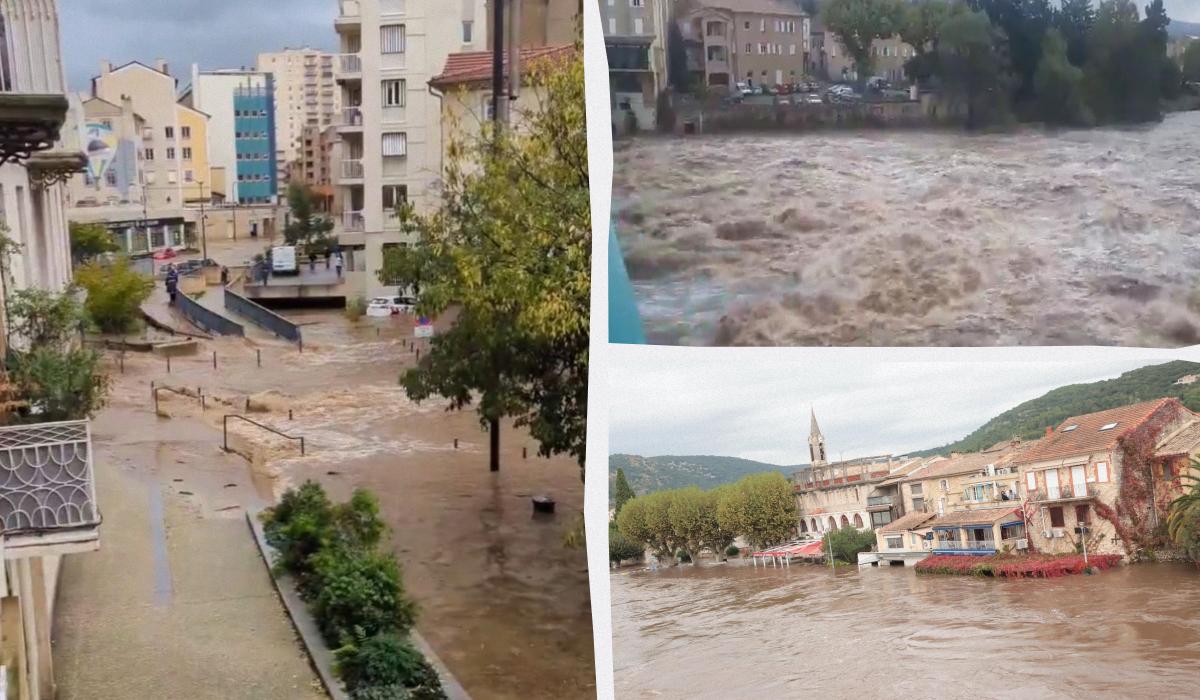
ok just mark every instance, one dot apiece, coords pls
pixel 206 319
pixel 803 117
pixel 262 317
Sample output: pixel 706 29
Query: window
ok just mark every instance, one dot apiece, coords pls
pixel 792 49
pixel 1107 426
pixel 149 154
pixel 1056 517
pixel 612 25
pixel 187 153
pixel 391 38
pixel 749 49
pixel 1015 531
pixel 1082 514
pixel 637 3
pixel 1102 472
pixel 1168 471
pixel 637 25
pixel 171 177
pixel 762 25
pixel 393 93
pixel 895 542
pixel 1030 482
pixel 394 196
pixel 188 176
pixel 945 485
pixel 918 505
pixel 467 31
pixel 111 177
pixel 915 489
pixel 170 130
pixel 395 144
pixel 747 24
pixel 185 132
pixel 1069 428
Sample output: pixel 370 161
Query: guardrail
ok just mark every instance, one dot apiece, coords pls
pixel 263 317
pixel 225 431
pixel 155 389
pixel 206 319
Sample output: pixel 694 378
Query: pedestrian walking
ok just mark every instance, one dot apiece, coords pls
pixel 338 262
pixel 326 254
pixel 312 262
pixel 172 282
pixel 224 276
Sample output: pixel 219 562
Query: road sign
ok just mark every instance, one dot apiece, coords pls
pixel 423 328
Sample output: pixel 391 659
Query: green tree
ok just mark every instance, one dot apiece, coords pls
pixel 717 538
pixel 847 541
pixel 41 318
pixel 920 27
pixel 622 491
pixel 115 293
pixel 1020 26
pixel 759 507
pixel 858 23
pixel 89 241
pixel 306 228
pixel 1123 76
pixel 972 70
pixel 1183 517
pixel 692 521
pixel 510 247
pixel 1074 21
pixel 621 548
pixel 359 591
pixel 646 520
pixel 1059 85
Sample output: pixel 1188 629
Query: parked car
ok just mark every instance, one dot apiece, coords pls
pixel 812 99
pixel 382 307
pixel 743 89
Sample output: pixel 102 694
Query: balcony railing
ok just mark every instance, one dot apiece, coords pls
pixel 349 9
pixel 879 500
pixel 1066 492
pixel 973 546
pixel 353 222
pixel 352 169
pixel 46 479
pixel 352 116
pixel 349 64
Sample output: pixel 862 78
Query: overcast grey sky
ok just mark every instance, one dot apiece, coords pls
pixel 1184 10
pixel 754 403
pixel 213 33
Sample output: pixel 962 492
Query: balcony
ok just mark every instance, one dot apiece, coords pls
pixel 879 503
pixel 393 7
pixel 352 169
pixel 48 489
pixel 351 119
pixel 972 547
pixel 353 222
pixel 349 67
pixel 1066 492
pixel 349 14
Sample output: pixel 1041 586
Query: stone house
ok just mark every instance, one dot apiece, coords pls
pixel 761 42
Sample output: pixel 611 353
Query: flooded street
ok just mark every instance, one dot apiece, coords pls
pixel 804 631
pixel 503 603
pixel 916 238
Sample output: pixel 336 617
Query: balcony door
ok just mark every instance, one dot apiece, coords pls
pixel 1052 491
pixel 1078 481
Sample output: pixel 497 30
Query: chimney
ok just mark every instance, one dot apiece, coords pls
pixel 161 65
pixel 105 67
pixel 1049 430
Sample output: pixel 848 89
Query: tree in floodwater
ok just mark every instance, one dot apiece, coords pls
pixel 1191 62
pixel 1183 518
pixel 759 507
pixel 1124 73
pixel 973 71
pixel 1074 21
pixel 847 541
pixel 510 248
pixel 1058 85
pixel 622 491
pixel 306 228
pixel 856 24
pixel 920 27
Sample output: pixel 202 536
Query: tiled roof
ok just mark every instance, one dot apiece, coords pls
pixel 908 521
pixel 475 66
pixel 972 461
pixel 980 516
pixel 1086 437
pixel 766 7
pixel 1182 441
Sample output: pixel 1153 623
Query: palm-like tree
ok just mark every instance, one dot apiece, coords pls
pixel 1183 518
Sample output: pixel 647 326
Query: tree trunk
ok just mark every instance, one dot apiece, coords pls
pixel 494 440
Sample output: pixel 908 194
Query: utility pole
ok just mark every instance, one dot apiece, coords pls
pixel 203 224
pixel 498 103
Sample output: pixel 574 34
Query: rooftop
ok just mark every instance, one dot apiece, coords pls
pixel 1180 442
pixel 909 521
pixel 475 66
pixel 979 516
pixel 1093 432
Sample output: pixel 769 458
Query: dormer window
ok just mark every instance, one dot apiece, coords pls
pixel 1070 427
pixel 1107 426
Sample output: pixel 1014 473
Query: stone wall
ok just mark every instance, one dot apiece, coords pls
pixel 693 117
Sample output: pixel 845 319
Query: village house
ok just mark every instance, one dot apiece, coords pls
pixel 906 539
pixel 1074 476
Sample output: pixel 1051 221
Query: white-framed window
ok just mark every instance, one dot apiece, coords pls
pixel 762 25
pixel 393 92
pixel 150 177
pixel 1030 482
pixel 612 25
pixel 391 38
pixel 1102 472
pixel 170 131
pixel 185 132
pixel 468 31
pixel 762 49
pixel 187 153
pixel 637 25
pixel 749 48
pixel 188 176
pixel 394 196
pixel 171 177
pixel 170 153
pixel 149 154
pixel 792 49
pixel 637 3
pixel 395 144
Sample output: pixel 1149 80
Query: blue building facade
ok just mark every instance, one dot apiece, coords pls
pixel 254 143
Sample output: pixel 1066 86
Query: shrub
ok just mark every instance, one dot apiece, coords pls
pixel 298 527
pixel 43 318
pixel 732 550
pixel 89 241
pixel 1027 566
pixel 620 548
pixel 370 666
pixel 114 294
pixel 356 308
pixel 847 542
pixel 682 556
pixel 60 384
pixel 356 523
pixel 359 591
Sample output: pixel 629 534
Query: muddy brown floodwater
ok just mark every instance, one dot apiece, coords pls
pixel 803 631
pixel 503 602
pixel 916 238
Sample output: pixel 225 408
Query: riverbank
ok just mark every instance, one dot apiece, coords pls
pixel 805 631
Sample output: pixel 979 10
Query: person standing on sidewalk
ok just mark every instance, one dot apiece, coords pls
pixel 172 282
pixel 338 262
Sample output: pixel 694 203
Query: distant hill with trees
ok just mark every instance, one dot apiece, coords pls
pixel 1179 30
pixel 1030 419
pixel 649 474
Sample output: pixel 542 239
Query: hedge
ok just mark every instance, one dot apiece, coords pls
pixel 1010 566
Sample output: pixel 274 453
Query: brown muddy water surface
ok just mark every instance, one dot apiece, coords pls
pixel 503 602
pixel 916 238
pixel 803 631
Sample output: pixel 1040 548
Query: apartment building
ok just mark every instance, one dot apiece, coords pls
pixel 542 22
pixel 829 60
pixel 240 105
pixel 306 97
pixel 313 165
pixel 390 141
pixel 47 488
pixel 760 42
pixel 635 39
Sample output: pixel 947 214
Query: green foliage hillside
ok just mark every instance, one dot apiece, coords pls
pixel 648 474
pixel 1030 419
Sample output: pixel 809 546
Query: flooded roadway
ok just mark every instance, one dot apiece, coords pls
pixel 504 603
pixel 916 238
pixel 803 631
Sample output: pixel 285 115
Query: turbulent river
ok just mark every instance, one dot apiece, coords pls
pixel 737 631
pixel 916 238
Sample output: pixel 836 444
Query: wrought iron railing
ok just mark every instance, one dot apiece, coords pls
pixel 46 478
pixel 1066 492
pixel 353 222
pixel 975 545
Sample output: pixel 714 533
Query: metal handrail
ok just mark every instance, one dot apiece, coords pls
pixel 225 431
pixel 155 389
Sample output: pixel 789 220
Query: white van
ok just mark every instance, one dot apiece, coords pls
pixel 283 260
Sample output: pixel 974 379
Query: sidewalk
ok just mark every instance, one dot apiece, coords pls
pixel 176 604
